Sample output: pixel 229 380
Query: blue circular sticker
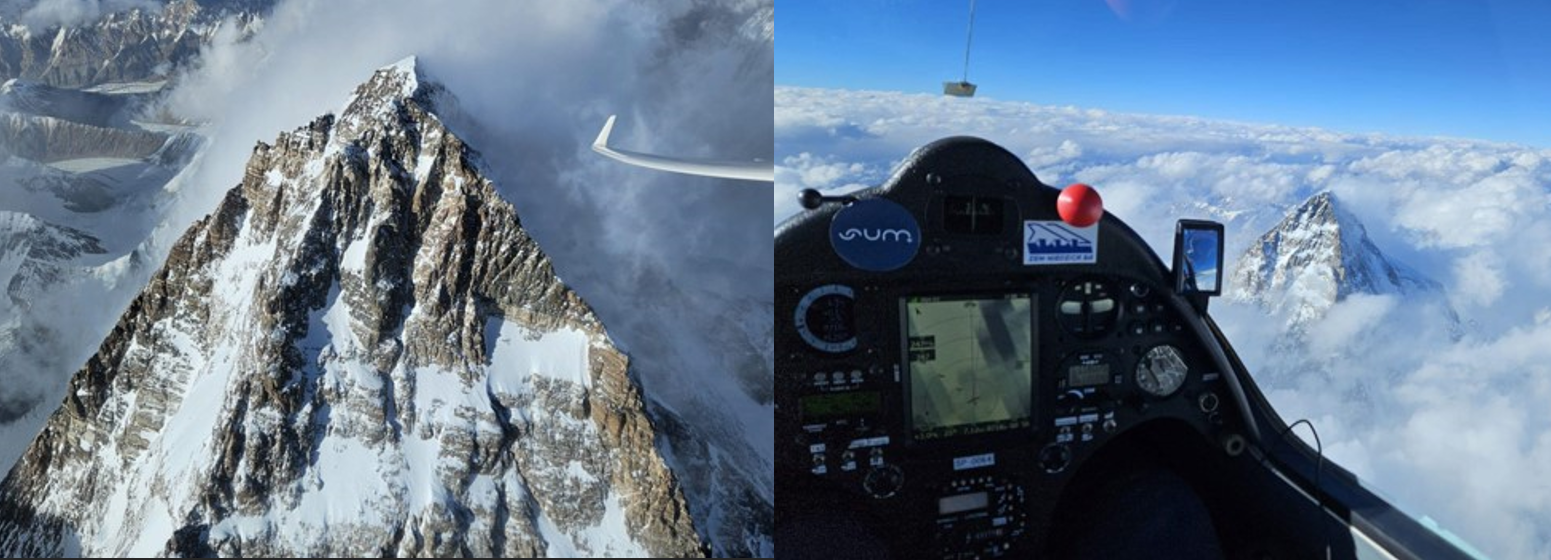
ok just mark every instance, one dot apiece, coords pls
pixel 875 234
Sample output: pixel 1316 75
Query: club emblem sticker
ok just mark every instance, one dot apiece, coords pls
pixel 1056 242
pixel 875 234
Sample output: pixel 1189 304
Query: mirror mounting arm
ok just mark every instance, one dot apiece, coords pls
pixel 1198 300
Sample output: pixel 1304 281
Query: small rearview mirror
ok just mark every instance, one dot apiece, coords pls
pixel 1198 246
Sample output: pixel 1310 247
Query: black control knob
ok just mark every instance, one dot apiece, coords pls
pixel 812 199
pixel 1055 457
pixel 883 482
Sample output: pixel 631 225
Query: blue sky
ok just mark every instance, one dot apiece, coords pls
pixel 1474 69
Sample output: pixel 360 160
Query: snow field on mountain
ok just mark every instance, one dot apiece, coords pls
pixel 520 352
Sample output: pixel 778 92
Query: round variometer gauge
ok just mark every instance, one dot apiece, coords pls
pixel 826 319
pixel 1161 371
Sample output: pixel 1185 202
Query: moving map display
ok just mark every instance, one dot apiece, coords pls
pixel 970 362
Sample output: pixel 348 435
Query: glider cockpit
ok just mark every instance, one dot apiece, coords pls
pixel 969 367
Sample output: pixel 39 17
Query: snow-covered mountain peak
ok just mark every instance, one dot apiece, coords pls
pixel 396 95
pixel 1319 254
pixel 408 67
pixel 1325 209
pixel 404 79
pixel 360 351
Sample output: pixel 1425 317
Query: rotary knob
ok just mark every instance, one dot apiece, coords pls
pixel 1055 457
pixel 883 482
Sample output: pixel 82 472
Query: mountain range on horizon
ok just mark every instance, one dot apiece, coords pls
pixel 90 175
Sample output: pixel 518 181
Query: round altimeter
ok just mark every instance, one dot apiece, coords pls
pixel 826 318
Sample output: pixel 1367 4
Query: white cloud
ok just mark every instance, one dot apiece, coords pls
pixel 1479 278
pixel 1456 430
pixel 1350 320
pixel 819 173
pixel 1477 213
pixel 1047 156
pixel 1474 421
pixel 1320 174
pixel 806 171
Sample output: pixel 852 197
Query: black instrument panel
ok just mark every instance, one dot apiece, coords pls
pixel 940 399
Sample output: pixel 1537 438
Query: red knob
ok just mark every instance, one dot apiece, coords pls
pixel 1080 205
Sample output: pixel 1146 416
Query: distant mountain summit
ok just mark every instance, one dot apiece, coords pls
pixel 359 352
pixel 1318 255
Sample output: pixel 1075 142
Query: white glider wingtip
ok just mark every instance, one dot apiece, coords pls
pixel 602 143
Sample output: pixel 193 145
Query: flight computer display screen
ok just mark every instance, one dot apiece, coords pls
pixel 970 363
pixel 1087 375
pixel 962 503
pixel 830 405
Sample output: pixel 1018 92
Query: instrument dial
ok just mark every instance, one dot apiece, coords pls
pixel 1161 371
pixel 826 318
